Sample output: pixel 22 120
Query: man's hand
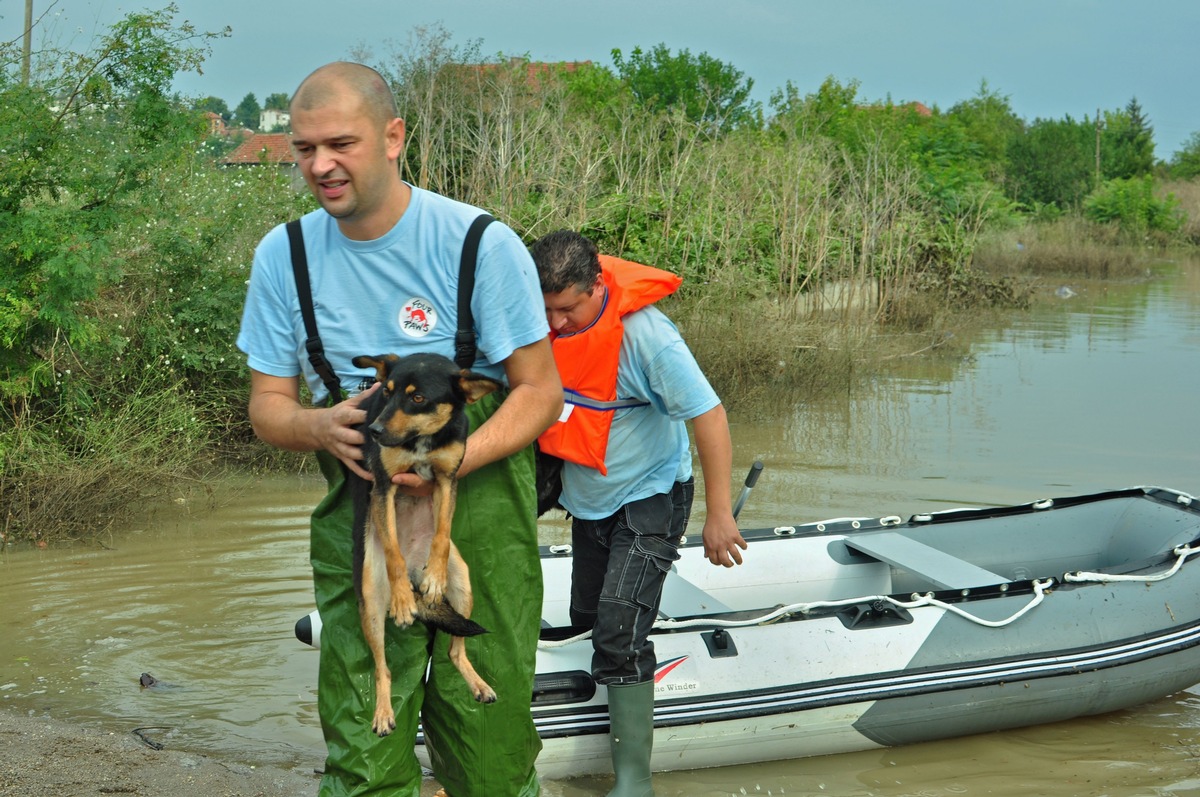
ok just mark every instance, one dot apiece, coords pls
pixel 721 536
pixel 279 419
pixel 413 485
pixel 335 431
pixel 722 539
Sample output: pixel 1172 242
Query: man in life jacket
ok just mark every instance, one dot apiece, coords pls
pixel 630 385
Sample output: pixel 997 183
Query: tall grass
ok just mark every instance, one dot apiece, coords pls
pixel 1066 247
pixel 74 474
pixel 1188 194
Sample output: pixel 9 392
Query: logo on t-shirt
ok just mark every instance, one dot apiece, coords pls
pixel 418 318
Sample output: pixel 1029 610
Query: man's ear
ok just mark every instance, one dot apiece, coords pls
pixel 394 137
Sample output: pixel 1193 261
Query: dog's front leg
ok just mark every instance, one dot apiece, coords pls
pixel 383 511
pixel 433 583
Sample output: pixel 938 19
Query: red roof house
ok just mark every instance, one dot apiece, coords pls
pixel 263 148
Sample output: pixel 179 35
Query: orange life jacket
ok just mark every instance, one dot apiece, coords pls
pixel 587 363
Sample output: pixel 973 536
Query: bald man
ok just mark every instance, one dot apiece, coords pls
pixel 383 259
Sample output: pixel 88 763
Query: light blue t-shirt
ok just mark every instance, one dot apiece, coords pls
pixel 648 447
pixel 397 293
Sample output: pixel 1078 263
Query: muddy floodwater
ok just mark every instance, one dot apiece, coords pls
pixel 1095 388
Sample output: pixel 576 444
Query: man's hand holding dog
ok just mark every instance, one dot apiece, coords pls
pixel 281 420
pixel 338 433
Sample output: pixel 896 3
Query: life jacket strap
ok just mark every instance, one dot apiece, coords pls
pixel 580 400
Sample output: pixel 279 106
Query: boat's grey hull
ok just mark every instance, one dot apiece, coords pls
pixel 814 686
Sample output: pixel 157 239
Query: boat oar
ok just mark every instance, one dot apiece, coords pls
pixel 751 478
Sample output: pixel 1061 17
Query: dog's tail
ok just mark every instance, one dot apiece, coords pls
pixel 442 616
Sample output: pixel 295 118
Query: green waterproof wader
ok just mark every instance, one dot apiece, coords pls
pixel 476 750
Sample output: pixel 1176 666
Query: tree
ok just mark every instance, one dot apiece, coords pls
pixel 1053 162
pixel 93 133
pixel 247 113
pixel 707 91
pixel 597 91
pixel 215 105
pixel 989 121
pixel 828 112
pixel 1185 164
pixel 436 90
pixel 276 102
pixel 1127 143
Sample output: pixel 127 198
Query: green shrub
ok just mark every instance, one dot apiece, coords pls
pixel 1131 205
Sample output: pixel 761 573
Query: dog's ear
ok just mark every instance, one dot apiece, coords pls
pixel 380 362
pixel 475 386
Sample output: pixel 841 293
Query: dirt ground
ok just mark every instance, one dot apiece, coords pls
pixel 41 756
pixel 46 757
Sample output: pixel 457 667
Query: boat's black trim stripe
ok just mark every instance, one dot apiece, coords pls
pixel 741 705
pixel 850 525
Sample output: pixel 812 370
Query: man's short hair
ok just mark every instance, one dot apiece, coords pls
pixel 564 258
pixel 334 79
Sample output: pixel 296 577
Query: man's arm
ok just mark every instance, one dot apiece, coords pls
pixel 279 419
pixel 535 400
pixel 722 539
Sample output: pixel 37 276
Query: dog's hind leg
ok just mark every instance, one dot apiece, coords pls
pixel 373 607
pixel 459 596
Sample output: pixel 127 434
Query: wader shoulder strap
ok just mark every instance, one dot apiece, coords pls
pixel 312 344
pixel 464 338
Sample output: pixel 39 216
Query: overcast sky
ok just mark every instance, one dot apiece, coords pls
pixel 1052 58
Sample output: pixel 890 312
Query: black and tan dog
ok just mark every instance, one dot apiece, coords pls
pixel 405 564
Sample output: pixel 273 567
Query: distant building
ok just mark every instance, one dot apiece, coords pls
pixel 919 108
pixel 272 119
pixel 263 148
pixel 216 125
pixel 266 149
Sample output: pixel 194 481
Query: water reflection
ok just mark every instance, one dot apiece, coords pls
pixel 1080 394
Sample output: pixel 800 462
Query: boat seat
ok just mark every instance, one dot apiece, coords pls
pixel 682 598
pixel 943 570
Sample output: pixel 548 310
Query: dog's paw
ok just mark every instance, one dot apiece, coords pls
pixel 433 586
pixel 484 693
pixel 403 608
pixel 385 721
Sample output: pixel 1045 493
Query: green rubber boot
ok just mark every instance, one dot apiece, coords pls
pixel 631 737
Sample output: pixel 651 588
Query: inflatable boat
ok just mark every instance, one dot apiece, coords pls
pixel 857 633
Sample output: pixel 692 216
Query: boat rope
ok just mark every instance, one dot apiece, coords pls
pixel 1039 593
pixel 1182 552
pixel 1040 585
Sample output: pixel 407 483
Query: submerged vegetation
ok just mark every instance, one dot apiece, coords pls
pixel 805 232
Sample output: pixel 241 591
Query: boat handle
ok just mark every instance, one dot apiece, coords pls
pixel 890 520
pixel 1046 504
pixel 560 549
